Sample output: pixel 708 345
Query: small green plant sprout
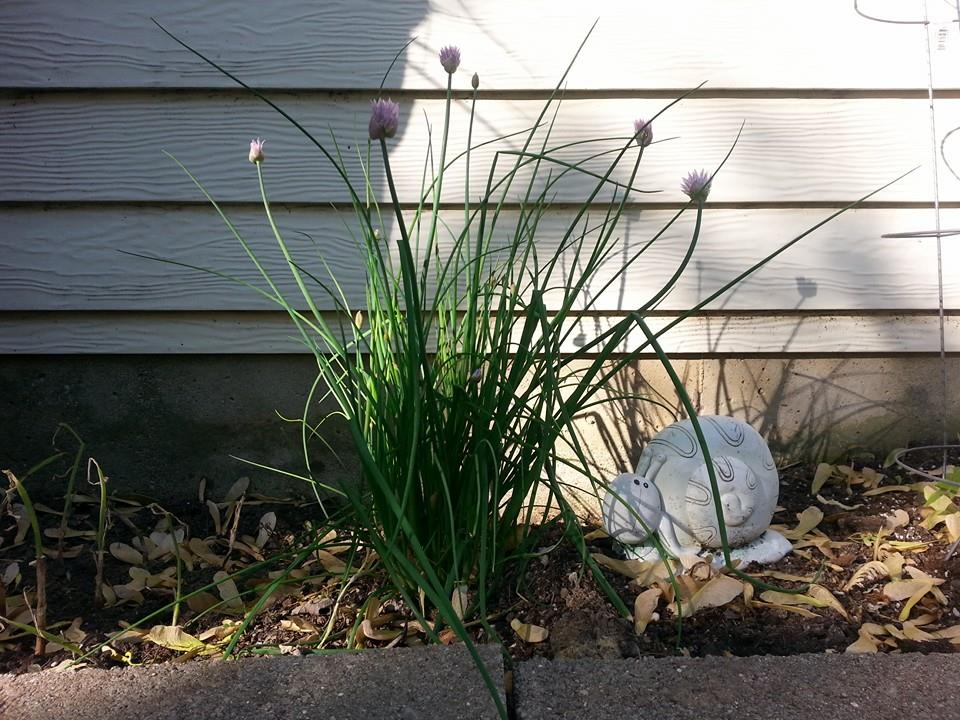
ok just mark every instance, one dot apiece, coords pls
pixel 102 524
pixel 39 557
pixel 71 485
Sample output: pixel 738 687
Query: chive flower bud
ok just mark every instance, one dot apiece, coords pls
pixel 643 132
pixel 256 150
pixel 475 81
pixel 450 58
pixel 696 185
pixel 384 118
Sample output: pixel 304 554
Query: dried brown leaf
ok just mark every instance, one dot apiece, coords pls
pixel 125 553
pixel 528 632
pixel 820 477
pixel 867 574
pixel 643 608
pixel 236 490
pixel 865 643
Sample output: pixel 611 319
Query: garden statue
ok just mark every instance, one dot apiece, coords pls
pixel 671 494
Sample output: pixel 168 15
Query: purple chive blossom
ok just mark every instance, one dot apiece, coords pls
pixel 696 185
pixel 450 58
pixel 256 150
pixel 643 132
pixel 384 118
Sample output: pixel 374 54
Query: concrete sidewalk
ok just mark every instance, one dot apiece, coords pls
pixel 441 682
pixel 798 687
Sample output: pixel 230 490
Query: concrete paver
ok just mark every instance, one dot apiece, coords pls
pixel 441 682
pixel 408 684
pixel 799 687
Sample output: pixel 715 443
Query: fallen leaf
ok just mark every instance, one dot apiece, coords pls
pixel 201 601
pixel 717 592
pixel 23 522
pixel 644 572
pixel 778 575
pixel 529 633
pixel 227 589
pixel 820 477
pixel 806 521
pixel 236 490
pixel 10 574
pixel 782 598
pixel 447 637
pixel 173 637
pixel 73 633
pixel 818 592
pixel 903 589
pixel 912 632
pixel 126 593
pixel 460 600
pixel 215 515
pixel 372 633
pixel 67 552
pixel 948 633
pixel 865 643
pixel 200 548
pixel 867 575
pixel 836 503
pixel 109 596
pixel 643 608
pixel 299 624
pixel 268 524
pixel 894 564
pixel 70 533
pixel 887 489
pixel 923 589
pixel 125 553
pixel 331 563
pixel 795 609
pixel 952 523
pixel 897 519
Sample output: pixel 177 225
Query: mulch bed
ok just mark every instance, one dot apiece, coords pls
pixel 556 595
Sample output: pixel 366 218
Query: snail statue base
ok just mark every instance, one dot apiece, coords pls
pixel 670 495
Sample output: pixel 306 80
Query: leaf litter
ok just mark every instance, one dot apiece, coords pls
pixel 868 564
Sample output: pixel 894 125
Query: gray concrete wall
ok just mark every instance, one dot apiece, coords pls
pixel 157 424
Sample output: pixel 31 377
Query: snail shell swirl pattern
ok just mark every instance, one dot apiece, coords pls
pixel 746 477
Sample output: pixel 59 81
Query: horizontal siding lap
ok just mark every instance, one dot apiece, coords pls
pixel 74 147
pixel 348 44
pixel 74 258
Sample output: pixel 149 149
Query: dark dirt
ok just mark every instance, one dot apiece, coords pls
pixel 557 593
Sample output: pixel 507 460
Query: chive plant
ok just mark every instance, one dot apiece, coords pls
pixel 457 378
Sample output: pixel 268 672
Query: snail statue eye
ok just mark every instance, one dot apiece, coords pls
pixel 645 485
pixel 636 481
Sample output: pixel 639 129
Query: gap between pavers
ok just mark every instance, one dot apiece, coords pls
pixel 408 684
pixel 798 687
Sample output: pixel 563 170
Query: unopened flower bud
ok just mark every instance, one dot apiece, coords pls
pixel 475 81
pixel 696 185
pixel 643 132
pixel 384 118
pixel 450 58
pixel 256 150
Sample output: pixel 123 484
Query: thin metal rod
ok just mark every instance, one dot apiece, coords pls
pixel 936 211
pixel 922 234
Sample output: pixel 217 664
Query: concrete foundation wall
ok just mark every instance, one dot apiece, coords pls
pixel 158 424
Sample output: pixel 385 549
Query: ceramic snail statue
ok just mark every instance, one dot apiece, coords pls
pixel 671 494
